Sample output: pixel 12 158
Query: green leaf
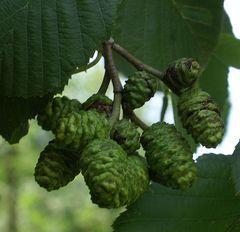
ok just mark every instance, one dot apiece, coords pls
pixel 43 42
pixel 228 50
pixel 226 24
pixel 236 168
pixel 13 135
pixel 210 205
pixel 14 115
pixel 159 32
pixel 214 79
pixel 215 71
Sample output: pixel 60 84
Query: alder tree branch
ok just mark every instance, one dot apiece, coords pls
pixel 117 86
pixel 112 72
pixel 105 83
pixel 135 119
pixel 164 107
pixel 139 65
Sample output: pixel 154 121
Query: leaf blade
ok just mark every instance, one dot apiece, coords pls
pixel 214 79
pixel 15 113
pixel 43 42
pixel 210 205
pixel 162 31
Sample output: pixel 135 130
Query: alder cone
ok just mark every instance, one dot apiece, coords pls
pixel 201 117
pixel 114 179
pixel 100 102
pixel 169 156
pixel 57 108
pixel 126 134
pixel 138 176
pixel 76 130
pixel 182 74
pixel 139 88
pixel 56 167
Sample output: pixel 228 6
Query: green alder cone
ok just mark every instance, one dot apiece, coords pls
pixel 182 74
pixel 138 176
pixel 201 117
pixel 126 134
pixel 139 88
pixel 56 167
pixel 101 103
pixel 114 179
pixel 169 156
pixel 57 108
pixel 76 130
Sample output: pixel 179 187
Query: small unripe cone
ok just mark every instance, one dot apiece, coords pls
pixel 126 134
pixel 182 74
pixel 57 108
pixel 56 167
pixel 169 156
pixel 100 102
pixel 201 117
pixel 77 129
pixel 139 88
pixel 114 179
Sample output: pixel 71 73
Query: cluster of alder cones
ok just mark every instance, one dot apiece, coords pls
pixel 107 154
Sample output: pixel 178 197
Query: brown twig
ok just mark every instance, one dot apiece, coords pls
pixel 139 65
pixel 164 107
pixel 135 119
pixel 117 86
pixel 105 83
